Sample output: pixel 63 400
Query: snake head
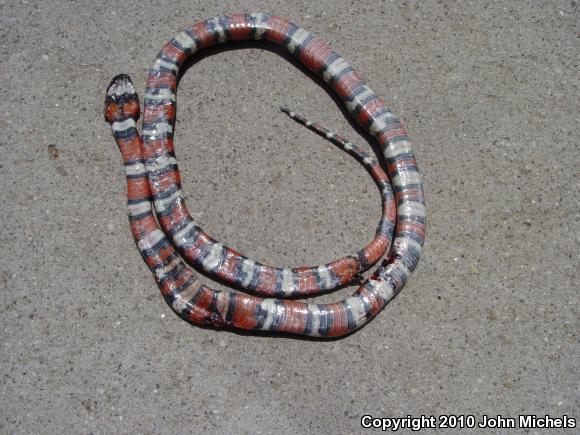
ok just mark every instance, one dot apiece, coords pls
pixel 121 101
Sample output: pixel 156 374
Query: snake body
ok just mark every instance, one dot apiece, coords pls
pixel 166 234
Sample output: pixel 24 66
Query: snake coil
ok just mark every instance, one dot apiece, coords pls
pixel 166 234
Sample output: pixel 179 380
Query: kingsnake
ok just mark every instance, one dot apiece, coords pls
pixel 155 197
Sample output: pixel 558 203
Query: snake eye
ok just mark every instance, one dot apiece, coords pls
pixel 131 109
pixel 110 111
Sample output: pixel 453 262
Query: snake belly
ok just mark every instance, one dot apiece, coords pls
pixel 154 186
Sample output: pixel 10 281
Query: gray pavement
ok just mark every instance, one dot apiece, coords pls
pixel 489 322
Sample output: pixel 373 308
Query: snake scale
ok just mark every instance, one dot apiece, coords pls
pixel 168 238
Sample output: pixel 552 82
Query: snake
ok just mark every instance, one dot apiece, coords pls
pixel 169 240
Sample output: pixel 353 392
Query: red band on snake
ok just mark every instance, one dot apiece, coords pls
pixel 155 198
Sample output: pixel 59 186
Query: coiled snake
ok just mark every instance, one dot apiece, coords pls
pixel 155 198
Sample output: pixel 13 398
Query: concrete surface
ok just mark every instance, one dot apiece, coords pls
pixel 489 322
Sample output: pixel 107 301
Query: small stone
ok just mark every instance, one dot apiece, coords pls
pixel 53 151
